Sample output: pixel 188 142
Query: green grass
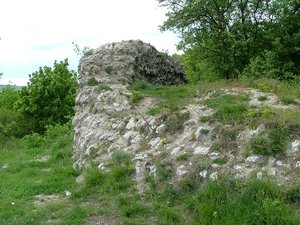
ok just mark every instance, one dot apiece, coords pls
pixel 230 109
pixel 189 201
pixel 26 177
pixel 170 97
pixel 113 194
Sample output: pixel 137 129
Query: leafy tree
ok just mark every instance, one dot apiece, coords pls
pixel 227 34
pixel 49 97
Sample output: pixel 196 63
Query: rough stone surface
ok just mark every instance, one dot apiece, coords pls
pixel 106 121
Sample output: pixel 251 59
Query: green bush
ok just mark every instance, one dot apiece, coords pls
pixel 8 97
pixel 12 124
pixel 49 97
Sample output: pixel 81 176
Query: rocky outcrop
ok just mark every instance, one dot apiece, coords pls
pixel 131 60
pixel 106 121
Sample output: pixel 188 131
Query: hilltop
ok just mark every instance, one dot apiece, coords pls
pixel 146 147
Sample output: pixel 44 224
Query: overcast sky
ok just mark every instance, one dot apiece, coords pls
pixel 34 33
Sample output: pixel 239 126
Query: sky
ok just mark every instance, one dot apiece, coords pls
pixel 35 33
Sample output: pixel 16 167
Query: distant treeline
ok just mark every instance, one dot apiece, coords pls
pixel 2 86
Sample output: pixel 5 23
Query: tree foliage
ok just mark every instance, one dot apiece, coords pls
pixel 49 97
pixel 228 34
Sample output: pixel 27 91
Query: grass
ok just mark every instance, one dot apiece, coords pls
pixel 170 97
pixel 25 177
pixel 112 195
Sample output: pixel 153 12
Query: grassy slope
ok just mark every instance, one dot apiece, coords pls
pixel 112 198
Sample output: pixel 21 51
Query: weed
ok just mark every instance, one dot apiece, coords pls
pixel 189 184
pixel 136 97
pixel 217 93
pixel 205 119
pixel 216 146
pixel 91 105
pixel 265 87
pixel 270 142
pixel 220 161
pixel 92 81
pixel 103 87
pixel 293 194
pixel 175 121
pixel 203 165
pixel 109 70
pixel 204 131
pixel 262 98
pixel 169 215
pixel 94 177
pixel 287 100
pixel 120 157
pixel 164 171
pixel 183 157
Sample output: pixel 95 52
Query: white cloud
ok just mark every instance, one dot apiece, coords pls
pixel 35 33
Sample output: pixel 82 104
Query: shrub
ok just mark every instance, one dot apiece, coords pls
pixel 8 97
pixel 12 124
pixel 49 98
